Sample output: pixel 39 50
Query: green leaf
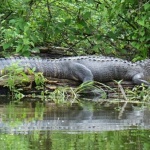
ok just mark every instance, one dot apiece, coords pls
pixel 67 21
pixel 12 21
pixel 19 48
pixel 146 6
pixel 6 45
pixel 142 33
pixel 141 22
pixel 26 53
pixel 87 15
pixel 26 41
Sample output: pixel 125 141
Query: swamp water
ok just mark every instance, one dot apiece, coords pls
pixel 37 126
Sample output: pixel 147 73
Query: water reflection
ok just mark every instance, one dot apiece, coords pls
pixel 39 126
pixel 25 117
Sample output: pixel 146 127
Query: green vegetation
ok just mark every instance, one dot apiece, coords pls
pixel 15 75
pixel 17 78
pixel 139 93
pixel 85 27
pixel 119 28
pixel 109 27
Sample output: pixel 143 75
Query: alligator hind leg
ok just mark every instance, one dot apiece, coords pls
pixel 81 72
pixel 137 79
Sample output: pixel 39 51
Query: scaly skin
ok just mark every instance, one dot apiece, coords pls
pixel 86 68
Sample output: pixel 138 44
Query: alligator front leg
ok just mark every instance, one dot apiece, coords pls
pixel 81 72
pixel 138 79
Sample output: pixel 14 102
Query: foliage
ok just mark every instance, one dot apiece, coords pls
pixel 16 77
pixel 107 27
pixel 139 93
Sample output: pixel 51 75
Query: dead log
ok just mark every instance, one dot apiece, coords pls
pixel 53 83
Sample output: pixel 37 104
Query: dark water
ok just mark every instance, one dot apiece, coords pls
pixel 45 126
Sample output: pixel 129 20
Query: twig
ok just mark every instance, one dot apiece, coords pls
pixel 122 91
pixel 122 110
pixel 125 104
pixel 49 11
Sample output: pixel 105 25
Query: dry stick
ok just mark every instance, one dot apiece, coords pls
pixel 126 99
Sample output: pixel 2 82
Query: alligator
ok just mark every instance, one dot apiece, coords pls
pixel 85 68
